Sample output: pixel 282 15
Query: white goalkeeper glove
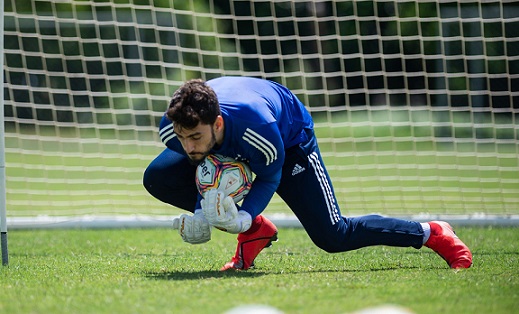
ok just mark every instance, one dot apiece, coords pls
pixel 222 213
pixel 193 229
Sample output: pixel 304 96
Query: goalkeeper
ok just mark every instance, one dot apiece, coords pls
pixel 263 123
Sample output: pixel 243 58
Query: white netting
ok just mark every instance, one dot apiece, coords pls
pixel 416 102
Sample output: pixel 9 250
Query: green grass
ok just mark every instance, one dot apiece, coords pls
pixel 153 271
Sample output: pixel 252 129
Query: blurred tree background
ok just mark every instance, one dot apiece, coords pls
pixel 360 53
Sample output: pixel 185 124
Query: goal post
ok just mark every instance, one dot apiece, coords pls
pixel 416 103
pixel 3 193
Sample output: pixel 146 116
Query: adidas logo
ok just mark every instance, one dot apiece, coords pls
pixel 297 169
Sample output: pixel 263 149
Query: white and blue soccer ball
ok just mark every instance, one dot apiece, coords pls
pixel 232 177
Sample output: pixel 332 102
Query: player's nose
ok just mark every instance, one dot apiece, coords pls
pixel 189 146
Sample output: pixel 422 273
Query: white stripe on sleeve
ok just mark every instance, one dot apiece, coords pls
pixel 166 133
pixel 262 144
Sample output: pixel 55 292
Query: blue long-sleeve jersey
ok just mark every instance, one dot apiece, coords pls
pixel 262 118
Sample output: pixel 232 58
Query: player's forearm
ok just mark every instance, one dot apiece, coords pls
pixel 259 196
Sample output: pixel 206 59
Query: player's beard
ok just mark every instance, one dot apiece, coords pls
pixel 197 157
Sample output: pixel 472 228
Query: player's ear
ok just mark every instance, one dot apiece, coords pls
pixel 218 124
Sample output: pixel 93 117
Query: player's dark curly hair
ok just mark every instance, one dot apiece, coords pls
pixel 193 103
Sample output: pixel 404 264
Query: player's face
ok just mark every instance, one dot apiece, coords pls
pixel 197 142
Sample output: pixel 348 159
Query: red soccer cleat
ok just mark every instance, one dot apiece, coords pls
pixel 445 242
pixel 250 243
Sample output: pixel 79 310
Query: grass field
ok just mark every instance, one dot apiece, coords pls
pixel 153 271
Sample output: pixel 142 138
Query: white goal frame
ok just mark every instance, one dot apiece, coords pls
pixel 3 194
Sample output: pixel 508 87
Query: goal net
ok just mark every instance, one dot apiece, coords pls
pixel 416 103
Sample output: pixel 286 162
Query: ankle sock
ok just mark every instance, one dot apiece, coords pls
pixel 256 224
pixel 426 231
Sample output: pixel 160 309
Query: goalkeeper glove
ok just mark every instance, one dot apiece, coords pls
pixel 222 213
pixel 193 229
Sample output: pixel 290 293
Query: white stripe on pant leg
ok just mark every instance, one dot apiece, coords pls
pixel 325 187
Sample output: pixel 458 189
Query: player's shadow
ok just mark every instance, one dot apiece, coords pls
pixel 211 274
pixel 198 275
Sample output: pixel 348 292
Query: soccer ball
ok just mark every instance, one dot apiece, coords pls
pixel 232 177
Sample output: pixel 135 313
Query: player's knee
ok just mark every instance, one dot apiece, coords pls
pixel 333 238
pixel 330 247
pixel 332 242
pixel 170 189
pixel 151 179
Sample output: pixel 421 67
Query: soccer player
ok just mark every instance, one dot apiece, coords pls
pixel 264 124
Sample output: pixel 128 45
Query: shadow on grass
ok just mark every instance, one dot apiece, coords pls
pixel 197 275
pixel 363 265
pixel 211 274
